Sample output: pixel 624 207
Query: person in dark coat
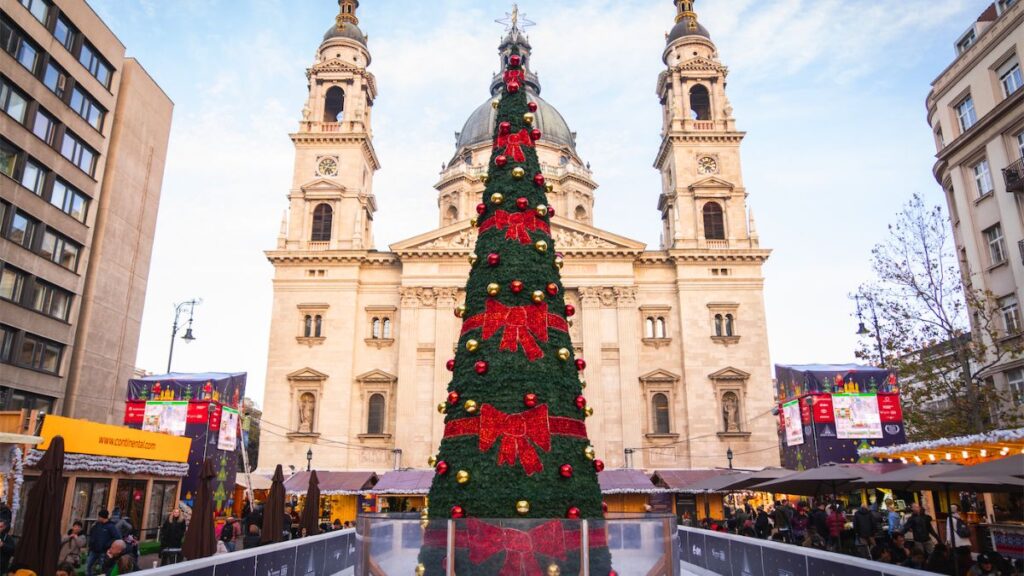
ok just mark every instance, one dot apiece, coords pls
pixel 252 539
pixel 762 527
pixel 171 534
pixel 781 517
pixel 6 546
pixel 819 519
pixel 864 529
pixel 920 526
pixel 101 536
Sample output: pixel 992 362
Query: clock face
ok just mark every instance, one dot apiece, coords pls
pixel 707 165
pixel 327 167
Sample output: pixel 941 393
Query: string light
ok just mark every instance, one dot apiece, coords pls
pixel 964 453
pixel 949 456
pixel 904 460
pixel 931 457
pixel 984 453
pixel 917 458
pixel 1004 451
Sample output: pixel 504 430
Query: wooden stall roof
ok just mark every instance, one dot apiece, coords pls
pixel 332 483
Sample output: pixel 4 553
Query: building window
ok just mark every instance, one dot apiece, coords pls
pixel 8 158
pixel 65 33
pixel 719 325
pixel 318 323
pixel 44 126
pixel 1011 313
pixel 39 354
pixel 14 43
pixel 659 408
pixel 387 328
pixel 78 153
pixel 334 105
pixel 654 327
pixel 90 58
pixel 60 249
pixel 87 108
pixel 11 283
pixel 966 41
pixel 1004 5
pixel 1010 76
pixel 965 114
pixel 375 415
pixel 1020 145
pixel 700 103
pixel 730 329
pixel 725 325
pixel 69 200
pixel 323 218
pixel 714 221
pixel 307 330
pixel 649 327
pixel 982 177
pixel 22 229
pixel 55 78
pixel 12 102
pixel 1015 383
pixel 996 245
pixel 7 337
pixel 52 301
pixel 38 8
pixel 33 176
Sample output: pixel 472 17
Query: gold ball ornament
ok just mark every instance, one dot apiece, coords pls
pixel 588 411
pixel 590 453
pixel 559 262
pixel 495 103
pixel 462 477
pixel 432 461
pixel 523 507
pixel 470 406
pixel 541 246
pixel 497 198
pixel 554 570
pixel 563 354
pixel 460 311
pixel 549 187
pixel 583 384
pixel 424 523
pixel 472 345
pixel 473 222
pixel 484 178
pixel 421 570
pixel 518 172
pixel 493 289
pixel 440 408
pixel 528 118
pixel 472 259
pixel 425 513
pixel 541 210
pixel 537 296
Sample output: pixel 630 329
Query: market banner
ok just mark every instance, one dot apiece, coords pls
pixel 889 409
pixel 856 416
pixel 823 409
pixel 166 417
pixel 793 423
pixel 716 554
pixel 747 558
pixel 84 437
pixel 228 437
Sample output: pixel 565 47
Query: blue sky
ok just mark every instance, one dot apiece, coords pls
pixel 831 94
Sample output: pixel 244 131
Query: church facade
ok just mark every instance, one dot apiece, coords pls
pixel 674 338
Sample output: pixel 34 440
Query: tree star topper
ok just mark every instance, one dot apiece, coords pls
pixel 513 19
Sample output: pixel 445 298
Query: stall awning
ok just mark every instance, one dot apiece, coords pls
pixel 627 481
pixel 972 449
pixel 259 481
pixel 404 482
pixel 113 464
pixel 683 480
pixel 332 483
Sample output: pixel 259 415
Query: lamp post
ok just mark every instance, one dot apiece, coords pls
pixel 309 459
pixel 728 456
pixel 179 309
pixel 863 331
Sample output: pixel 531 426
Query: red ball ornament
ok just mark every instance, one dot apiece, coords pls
pixel 573 513
pixel 493 259
pixel 538 179
pixel 481 208
pixel 458 512
pixel 513 87
pixel 551 211
pixel 613 573
pixel 504 128
pixel 581 402
pixel 501 161
pixel 516 286
pixel 442 467
pixel 570 310
pixel 480 367
pixel 522 203
pixel 532 106
pixel 565 470
pixel 552 288
pixel 581 364
pixel 604 507
pixel 450 365
pixel 515 60
pixel 599 465
pixel 530 400
pixel 535 134
pixel 453 398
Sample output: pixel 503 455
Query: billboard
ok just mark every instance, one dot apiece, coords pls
pixel 228 437
pixel 856 416
pixel 793 423
pixel 165 417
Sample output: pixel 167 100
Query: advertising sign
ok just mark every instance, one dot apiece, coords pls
pixel 793 423
pixel 823 409
pixel 84 437
pixel 889 408
pixel 165 417
pixel 228 437
pixel 856 416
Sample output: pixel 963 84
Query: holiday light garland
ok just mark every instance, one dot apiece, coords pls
pixel 114 465
pixel 993 437
pixel 18 465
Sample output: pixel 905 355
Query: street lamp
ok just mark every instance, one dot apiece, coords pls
pixel 728 456
pixel 309 459
pixel 862 330
pixel 179 309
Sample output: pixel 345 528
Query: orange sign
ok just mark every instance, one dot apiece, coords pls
pixel 84 437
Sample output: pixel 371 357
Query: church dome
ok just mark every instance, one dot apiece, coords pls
pixel 480 126
pixel 683 29
pixel 348 30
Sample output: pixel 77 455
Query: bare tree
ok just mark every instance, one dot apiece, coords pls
pixel 943 337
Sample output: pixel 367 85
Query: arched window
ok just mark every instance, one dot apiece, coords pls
pixel 719 325
pixel 319 323
pixel 659 327
pixel 375 415
pixel 307 328
pixel 323 218
pixel 375 328
pixel 714 221
pixel 700 103
pixel 387 328
pixel 729 329
pixel 649 327
pixel 581 214
pixel 334 105
pixel 659 407
pixel 451 216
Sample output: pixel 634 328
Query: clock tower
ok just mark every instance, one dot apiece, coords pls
pixel 331 199
pixel 703 203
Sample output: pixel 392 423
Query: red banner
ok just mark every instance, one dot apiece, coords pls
pixel 134 411
pixel 889 409
pixel 805 413
pixel 823 409
pixel 198 413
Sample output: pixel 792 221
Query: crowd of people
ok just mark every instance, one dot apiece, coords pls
pixel 884 534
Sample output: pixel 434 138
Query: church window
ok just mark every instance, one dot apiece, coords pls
pixel 659 409
pixel 649 327
pixel 318 323
pixel 387 328
pixel 375 328
pixel 334 105
pixel 659 327
pixel 375 415
pixel 581 214
pixel 307 329
pixel 729 325
pixel 451 215
pixel 700 103
pixel 719 325
pixel 714 222
pixel 323 218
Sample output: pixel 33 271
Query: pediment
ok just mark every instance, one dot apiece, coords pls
pixel 321 185
pixel 334 65
pixel 659 375
pixel 711 183
pixel 729 373
pixel 377 376
pixel 703 64
pixel 307 375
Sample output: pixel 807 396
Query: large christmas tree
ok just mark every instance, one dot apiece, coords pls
pixel 515 443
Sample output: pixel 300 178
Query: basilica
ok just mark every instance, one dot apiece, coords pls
pixel 674 337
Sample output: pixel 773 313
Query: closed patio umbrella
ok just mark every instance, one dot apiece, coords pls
pixel 273 510
pixel 310 521
pixel 200 536
pixel 40 538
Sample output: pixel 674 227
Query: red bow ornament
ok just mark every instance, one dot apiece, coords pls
pixel 517 225
pixel 514 143
pixel 521 547
pixel 517 433
pixel 522 325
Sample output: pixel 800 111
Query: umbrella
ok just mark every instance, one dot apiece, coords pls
pixel 310 521
pixel 716 483
pixel 813 481
pixel 40 540
pixel 273 510
pixel 200 536
pixel 744 481
pixel 1010 466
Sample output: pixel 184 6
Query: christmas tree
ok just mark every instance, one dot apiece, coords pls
pixel 515 442
pixel 220 495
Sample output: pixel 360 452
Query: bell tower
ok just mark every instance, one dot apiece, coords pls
pixel 703 201
pixel 331 202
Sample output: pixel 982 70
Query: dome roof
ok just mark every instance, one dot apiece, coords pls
pixel 479 128
pixel 348 30
pixel 682 29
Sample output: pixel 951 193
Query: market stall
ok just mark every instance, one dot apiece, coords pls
pixel 630 490
pixel 340 492
pixel 400 491
pixel 688 504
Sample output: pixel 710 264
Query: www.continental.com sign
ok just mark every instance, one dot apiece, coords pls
pixel 84 437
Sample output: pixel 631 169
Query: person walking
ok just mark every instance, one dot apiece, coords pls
pixel 101 536
pixel 836 524
pixel 762 526
pixel 7 545
pixel 919 525
pixel 171 534
pixel 71 546
pixel 864 531
pixel 782 524
pixel 958 536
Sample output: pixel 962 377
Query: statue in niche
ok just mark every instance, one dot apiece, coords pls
pixel 307 408
pixel 730 411
pixel 306 112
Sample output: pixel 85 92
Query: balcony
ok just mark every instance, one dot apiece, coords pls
pixel 1013 175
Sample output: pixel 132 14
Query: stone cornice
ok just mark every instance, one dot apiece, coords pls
pixel 709 137
pixel 338 66
pixel 319 138
pixel 368 258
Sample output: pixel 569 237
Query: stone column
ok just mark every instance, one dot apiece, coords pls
pixel 590 316
pixel 680 100
pixel 446 334
pixel 629 366
pixel 686 102
pixel 405 389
